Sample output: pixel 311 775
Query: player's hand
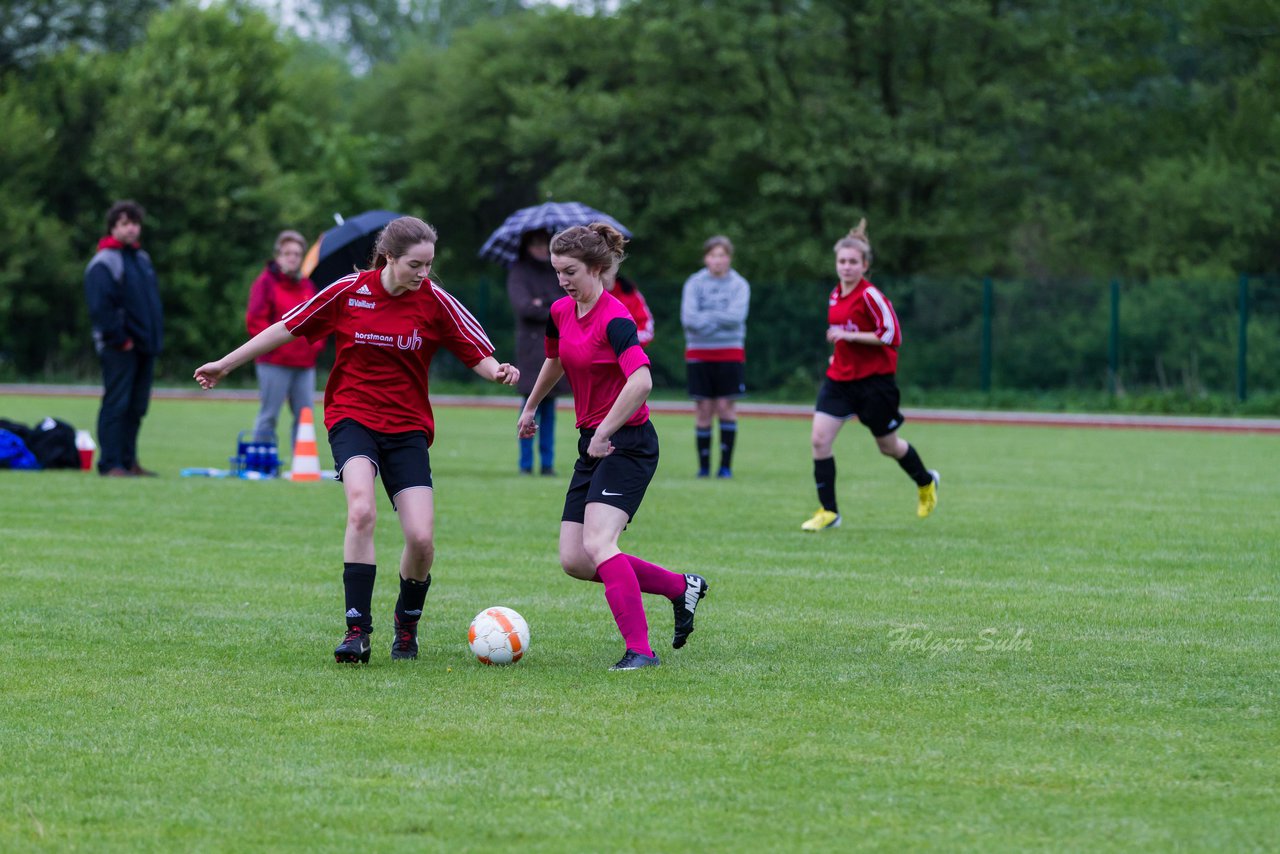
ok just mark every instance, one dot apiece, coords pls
pixel 599 447
pixel 835 333
pixel 210 374
pixel 507 374
pixel 526 427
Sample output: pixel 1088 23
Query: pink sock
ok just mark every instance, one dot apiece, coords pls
pixel 622 592
pixel 655 579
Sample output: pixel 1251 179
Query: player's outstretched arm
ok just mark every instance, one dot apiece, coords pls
pixel 497 372
pixel 211 373
pixel 550 374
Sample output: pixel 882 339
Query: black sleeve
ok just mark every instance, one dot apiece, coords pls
pixel 622 335
pixel 553 331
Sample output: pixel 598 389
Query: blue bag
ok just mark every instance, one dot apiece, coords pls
pixel 14 454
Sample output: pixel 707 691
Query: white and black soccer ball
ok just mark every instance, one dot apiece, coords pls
pixel 498 635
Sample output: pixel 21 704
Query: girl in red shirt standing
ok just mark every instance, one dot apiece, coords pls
pixel 625 291
pixel 387 323
pixel 288 373
pixel 592 338
pixel 860 381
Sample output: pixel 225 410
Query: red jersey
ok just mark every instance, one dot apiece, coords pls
pixel 598 351
pixel 384 348
pixel 272 295
pixel 640 313
pixel 863 309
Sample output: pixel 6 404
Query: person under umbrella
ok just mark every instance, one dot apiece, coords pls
pixel 532 287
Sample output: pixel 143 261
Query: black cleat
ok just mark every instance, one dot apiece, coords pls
pixel 695 587
pixel 404 642
pixel 635 660
pixel 354 648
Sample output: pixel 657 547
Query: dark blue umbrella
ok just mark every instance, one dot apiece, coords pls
pixel 345 248
pixel 503 245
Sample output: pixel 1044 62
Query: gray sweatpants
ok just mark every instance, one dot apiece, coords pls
pixel 276 383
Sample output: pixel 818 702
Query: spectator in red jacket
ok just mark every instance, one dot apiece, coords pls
pixel 625 291
pixel 290 371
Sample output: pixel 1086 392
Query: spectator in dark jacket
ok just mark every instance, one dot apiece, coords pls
pixel 532 287
pixel 128 333
pixel 288 372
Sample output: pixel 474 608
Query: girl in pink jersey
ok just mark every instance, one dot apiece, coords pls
pixel 864 330
pixel 592 339
pixel 387 324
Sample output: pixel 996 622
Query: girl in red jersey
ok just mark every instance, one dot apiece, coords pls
pixel 592 338
pixel 388 323
pixel 860 381
pixel 625 291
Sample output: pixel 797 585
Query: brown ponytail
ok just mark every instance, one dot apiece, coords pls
pixel 398 237
pixel 599 245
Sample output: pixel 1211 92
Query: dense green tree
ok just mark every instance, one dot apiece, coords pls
pixel 35 249
pixel 379 31
pixel 184 136
pixel 1051 146
pixel 31 30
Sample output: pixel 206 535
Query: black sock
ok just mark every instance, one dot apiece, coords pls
pixel 914 467
pixel 824 477
pixel 413 594
pixel 728 433
pixel 704 448
pixel 357 581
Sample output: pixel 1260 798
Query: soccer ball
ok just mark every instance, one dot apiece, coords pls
pixel 498 636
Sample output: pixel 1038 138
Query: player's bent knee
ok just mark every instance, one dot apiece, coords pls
pixel 362 518
pixel 582 572
pixel 421 545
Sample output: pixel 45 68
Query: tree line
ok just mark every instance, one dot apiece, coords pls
pixel 1054 146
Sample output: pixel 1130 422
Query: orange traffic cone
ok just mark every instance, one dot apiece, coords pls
pixel 306 463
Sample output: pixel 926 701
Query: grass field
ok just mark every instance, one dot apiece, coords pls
pixel 1077 651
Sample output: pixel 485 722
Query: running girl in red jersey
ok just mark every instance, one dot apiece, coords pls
pixel 591 337
pixel 388 323
pixel 860 381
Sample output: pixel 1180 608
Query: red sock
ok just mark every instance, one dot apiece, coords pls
pixel 655 579
pixel 622 592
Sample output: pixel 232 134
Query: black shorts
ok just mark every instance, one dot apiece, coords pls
pixel 619 479
pixel 400 459
pixel 709 380
pixel 873 399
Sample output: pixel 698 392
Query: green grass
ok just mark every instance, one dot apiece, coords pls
pixel 168 680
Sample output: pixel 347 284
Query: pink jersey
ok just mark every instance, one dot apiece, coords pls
pixel 863 309
pixel 598 351
pixel 384 348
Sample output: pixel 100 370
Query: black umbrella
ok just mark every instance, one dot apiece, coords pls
pixel 346 248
